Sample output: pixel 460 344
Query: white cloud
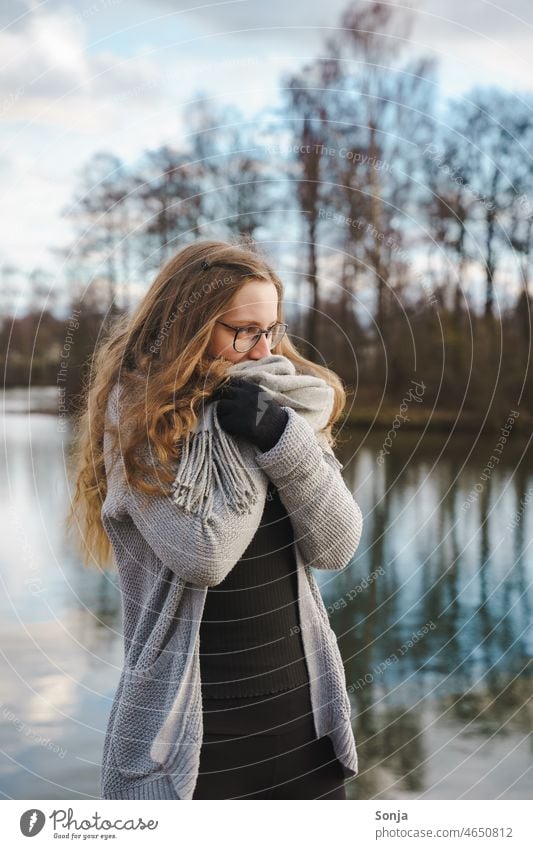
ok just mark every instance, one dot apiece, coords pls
pixel 477 42
pixel 452 21
pixel 45 58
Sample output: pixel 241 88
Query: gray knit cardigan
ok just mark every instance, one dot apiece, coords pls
pixel 167 558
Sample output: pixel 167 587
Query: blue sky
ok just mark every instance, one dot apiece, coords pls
pixel 89 75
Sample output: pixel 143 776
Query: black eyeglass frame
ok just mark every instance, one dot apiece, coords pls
pixel 266 332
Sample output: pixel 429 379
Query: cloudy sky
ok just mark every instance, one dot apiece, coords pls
pixel 88 75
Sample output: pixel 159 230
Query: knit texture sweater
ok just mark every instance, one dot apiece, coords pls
pixel 250 635
pixel 167 558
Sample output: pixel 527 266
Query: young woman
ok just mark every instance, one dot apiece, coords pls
pixel 205 469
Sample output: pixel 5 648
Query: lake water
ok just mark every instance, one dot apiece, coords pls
pixel 433 618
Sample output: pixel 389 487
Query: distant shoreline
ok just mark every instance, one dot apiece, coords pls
pixel 358 418
pixel 438 420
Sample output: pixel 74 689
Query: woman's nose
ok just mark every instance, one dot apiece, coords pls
pixel 260 350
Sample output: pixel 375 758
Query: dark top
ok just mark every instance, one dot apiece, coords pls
pixel 250 639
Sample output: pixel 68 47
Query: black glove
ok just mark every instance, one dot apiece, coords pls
pixel 244 409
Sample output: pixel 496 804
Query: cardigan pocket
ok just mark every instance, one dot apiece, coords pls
pixel 144 703
pixel 151 677
pixel 158 634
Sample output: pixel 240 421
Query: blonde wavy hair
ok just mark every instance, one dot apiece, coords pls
pixel 158 354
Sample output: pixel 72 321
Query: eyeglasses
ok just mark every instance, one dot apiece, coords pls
pixel 247 337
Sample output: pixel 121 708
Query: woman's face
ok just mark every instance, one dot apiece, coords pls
pixel 255 303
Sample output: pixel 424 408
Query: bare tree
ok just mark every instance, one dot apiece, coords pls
pixel 451 207
pixel 490 126
pixel 167 191
pixel 98 212
pixel 234 175
pixel 306 104
pixel 386 118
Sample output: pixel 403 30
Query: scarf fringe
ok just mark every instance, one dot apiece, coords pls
pixel 212 461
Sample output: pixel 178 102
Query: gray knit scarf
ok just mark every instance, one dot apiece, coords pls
pixel 209 456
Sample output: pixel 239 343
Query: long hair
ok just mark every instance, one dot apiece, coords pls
pixel 158 354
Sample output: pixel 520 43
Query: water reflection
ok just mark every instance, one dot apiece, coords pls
pixel 60 623
pixel 433 619
pixel 437 646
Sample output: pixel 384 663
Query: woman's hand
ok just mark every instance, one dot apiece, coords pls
pixel 244 409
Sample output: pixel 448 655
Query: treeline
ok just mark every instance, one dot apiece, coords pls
pixel 403 225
